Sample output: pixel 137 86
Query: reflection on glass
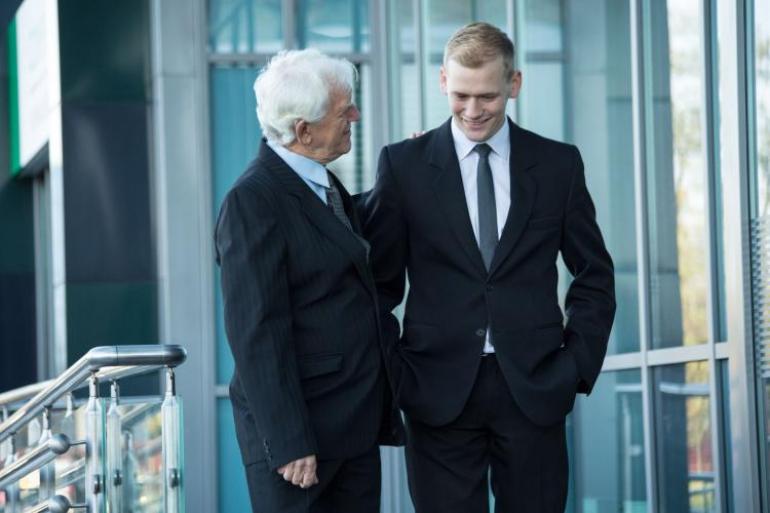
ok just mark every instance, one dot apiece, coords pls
pixel 677 175
pixel 583 93
pixel 686 481
pixel 441 21
pixel 609 468
pixel 406 80
pixel 543 25
pixel 334 25
pixel 143 484
pixel 762 112
pixel 245 26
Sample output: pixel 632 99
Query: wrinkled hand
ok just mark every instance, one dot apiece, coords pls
pixel 301 472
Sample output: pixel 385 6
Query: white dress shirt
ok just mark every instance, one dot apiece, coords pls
pixel 499 159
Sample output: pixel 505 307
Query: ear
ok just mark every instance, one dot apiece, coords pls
pixel 442 79
pixel 516 84
pixel 302 132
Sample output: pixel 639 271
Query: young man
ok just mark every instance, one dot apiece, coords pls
pixel 476 212
pixel 310 396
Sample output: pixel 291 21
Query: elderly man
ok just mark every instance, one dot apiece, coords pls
pixel 311 396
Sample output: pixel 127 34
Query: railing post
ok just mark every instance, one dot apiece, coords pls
pixel 171 413
pixel 47 486
pixel 94 448
pixel 11 491
pixel 114 453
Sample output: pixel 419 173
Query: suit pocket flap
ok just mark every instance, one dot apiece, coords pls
pixel 319 364
pixel 544 222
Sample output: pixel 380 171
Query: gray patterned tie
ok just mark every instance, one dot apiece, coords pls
pixel 334 202
pixel 487 206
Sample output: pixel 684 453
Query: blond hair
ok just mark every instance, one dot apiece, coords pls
pixel 478 43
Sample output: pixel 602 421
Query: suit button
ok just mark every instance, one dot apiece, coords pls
pixel 480 332
pixel 490 288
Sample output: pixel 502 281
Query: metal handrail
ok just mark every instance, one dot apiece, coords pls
pixel 34 459
pixel 19 395
pixel 138 357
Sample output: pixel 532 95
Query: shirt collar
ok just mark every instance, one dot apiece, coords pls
pixel 500 142
pixel 308 169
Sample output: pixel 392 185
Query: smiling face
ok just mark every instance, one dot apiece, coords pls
pixel 477 96
pixel 328 138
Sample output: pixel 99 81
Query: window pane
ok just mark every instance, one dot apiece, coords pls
pixel 683 429
pixel 762 106
pixel 609 463
pixel 677 175
pixel 245 26
pixel 760 213
pixel 233 492
pixel 235 136
pixel 543 25
pixel 334 25
pixel 584 96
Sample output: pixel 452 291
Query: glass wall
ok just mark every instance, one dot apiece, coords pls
pixel 609 463
pixel 676 174
pixel 636 86
pixel 760 213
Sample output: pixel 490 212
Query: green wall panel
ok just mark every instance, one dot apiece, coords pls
pixel 105 314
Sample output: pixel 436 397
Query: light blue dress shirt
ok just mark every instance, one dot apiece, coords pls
pixel 311 172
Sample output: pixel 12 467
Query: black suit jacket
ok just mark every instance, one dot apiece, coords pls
pixel 417 221
pixel 302 322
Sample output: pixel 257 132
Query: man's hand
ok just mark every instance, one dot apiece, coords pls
pixel 300 472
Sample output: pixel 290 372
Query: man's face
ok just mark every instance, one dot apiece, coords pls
pixel 330 136
pixel 477 96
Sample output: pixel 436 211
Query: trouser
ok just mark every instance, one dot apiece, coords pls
pixel 492 442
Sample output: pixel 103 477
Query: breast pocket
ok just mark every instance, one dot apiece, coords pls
pixel 544 223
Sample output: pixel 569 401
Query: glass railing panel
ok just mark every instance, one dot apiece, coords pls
pixel 70 468
pixel 142 468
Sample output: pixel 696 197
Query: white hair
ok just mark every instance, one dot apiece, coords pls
pixel 296 85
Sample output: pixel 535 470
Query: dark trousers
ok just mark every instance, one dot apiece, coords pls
pixel 450 467
pixel 345 486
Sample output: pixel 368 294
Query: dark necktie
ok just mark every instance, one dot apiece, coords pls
pixel 334 202
pixel 486 205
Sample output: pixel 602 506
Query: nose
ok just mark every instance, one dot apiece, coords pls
pixel 473 108
pixel 355 114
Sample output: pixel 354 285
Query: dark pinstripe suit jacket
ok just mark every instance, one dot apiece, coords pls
pixel 302 322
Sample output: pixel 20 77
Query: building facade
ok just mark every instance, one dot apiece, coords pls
pixel 668 101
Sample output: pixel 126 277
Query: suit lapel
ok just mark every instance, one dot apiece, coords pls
pixel 523 191
pixel 317 212
pixel 449 190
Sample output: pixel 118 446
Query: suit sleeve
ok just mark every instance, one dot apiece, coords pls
pixel 590 301
pixel 252 254
pixel 385 228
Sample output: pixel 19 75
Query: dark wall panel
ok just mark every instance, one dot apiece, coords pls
pixel 108 224
pixel 18 361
